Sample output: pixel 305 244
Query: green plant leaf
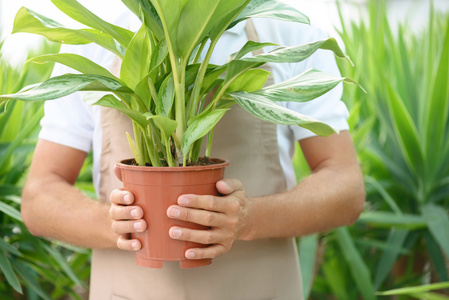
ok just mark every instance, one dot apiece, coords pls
pixel 147 13
pixel 9 248
pixel 359 270
pixel 165 97
pixel 436 256
pixel 112 102
pixel 388 220
pixel 166 125
pixel 297 53
pixel 194 20
pixel 7 270
pixel 396 239
pixel 29 277
pixel 136 63
pixel 304 87
pixel 270 111
pixel 10 211
pixel 30 22
pixel 249 81
pixel 438 221
pixel 79 13
pixel 63 264
pixel 250 46
pixel 64 85
pixel 199 126
pixel 406 131
pixel 272 9
pixel 76 62
pixel 307 247
pixel 417 289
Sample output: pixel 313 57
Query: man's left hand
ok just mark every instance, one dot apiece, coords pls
pixel 226 216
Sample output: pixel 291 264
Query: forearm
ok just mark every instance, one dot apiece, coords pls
pixel 57 210
pixel 325 200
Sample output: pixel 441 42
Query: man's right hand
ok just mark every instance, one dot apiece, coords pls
pixel 126 219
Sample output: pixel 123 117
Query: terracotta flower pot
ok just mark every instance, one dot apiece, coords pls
pixel 157 188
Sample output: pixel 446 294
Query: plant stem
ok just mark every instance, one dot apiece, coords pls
pixel 195 98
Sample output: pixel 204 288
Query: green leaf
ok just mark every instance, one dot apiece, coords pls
pixel 64 85
pixel 147 13
pixel 396 239
pixel 437 257
pixel 166 125
pixel 199 126
pixel 8 248
pixel 30 22
pixel 29 277
pixel 7 270
pixel 417 289
pixel 388 219
pixel 136 153
pixel 165 97
pixel 307 247
pixel 63 264
pixel 438 221
pixel 159 54
pixel 250 46
pixel 304 87
pixel 406 131
pixel 272 9
pixel 359 270
pixel 136 63
pixel 270 111
pixel 76 62
pixel 194 20
pixel 79 13
pixel 249 81
pixel 112 102
pixel 297 53
pixel 10 211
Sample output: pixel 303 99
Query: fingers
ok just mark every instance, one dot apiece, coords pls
pixel 121 197
pixel 229 186
pixel 124 243
pixel 124 227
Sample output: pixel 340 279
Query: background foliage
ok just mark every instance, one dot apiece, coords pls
pixel 30 267
pixel 400 129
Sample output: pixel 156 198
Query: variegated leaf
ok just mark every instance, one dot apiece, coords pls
pixel 270 111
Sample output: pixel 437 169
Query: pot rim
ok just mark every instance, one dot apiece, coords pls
pixel 221 163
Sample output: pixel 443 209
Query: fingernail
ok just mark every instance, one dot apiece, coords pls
pixel 174 212
pixel 138 226
pixel 127 198
pixel 190 254
pixel 135 245
pixel 183 201
pixel 175 232
pixel 135 213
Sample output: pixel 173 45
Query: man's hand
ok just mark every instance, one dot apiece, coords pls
pixel 227 216
pixel 127 219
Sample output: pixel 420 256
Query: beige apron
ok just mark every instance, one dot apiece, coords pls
pixel 262 269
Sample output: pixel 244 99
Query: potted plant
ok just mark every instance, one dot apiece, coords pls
pixel 164 80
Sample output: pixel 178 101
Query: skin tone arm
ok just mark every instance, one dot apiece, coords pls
pixel 332 196
pixel 54 208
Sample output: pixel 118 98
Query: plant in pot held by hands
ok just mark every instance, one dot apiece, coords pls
pixel 165 76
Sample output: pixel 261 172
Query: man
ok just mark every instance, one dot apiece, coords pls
pixel 252 224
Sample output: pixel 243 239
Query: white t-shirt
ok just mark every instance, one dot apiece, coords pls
pixel 71 122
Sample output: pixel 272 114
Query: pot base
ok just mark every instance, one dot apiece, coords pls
pixel 184 264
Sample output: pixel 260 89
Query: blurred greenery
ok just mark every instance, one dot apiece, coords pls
pixel 401 132
pixel 30 267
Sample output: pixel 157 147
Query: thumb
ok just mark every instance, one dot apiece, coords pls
pixel 229 186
